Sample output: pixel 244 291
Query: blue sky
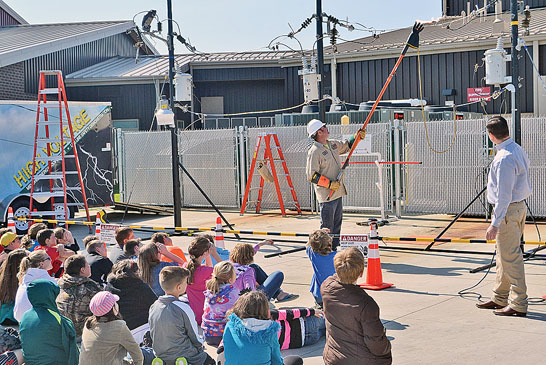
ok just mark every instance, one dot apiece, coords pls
pixel 235 25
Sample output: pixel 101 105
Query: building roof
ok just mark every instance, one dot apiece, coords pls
pixel 448 35
pixel 22 42
pixel 148 68
pixel 12 13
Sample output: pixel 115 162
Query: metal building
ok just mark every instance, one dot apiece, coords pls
pixel 25 49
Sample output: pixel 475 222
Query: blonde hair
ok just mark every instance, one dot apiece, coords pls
pixel 31 261
pixel 320 242
pixel 349 265
pixel 221 274
pixel 198 247
pixel 242 254
pixel 147 260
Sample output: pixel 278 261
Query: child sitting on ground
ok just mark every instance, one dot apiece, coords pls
pixel 64 237
pixel 77 289
pixel 355 332
pixel 200 249
pixel 149 264
pixel 251 335
pixel 162 237
pixel 172 322
pixel 299 326
pixel 132 249
pixel 34 266
pixel 9 283
pixel 219 298
pixel 319 250
pixel 106 338
pixel 251 277
pixel 28 241
pixel 58 253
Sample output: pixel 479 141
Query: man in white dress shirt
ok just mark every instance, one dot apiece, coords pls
pixel 508 186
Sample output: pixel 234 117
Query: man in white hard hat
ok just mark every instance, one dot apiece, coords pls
pixel 323 166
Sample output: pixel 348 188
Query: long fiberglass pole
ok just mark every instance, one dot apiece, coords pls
pixel 413 42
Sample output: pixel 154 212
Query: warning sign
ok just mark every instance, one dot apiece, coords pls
pixel 355 240
pixel 478 93
pixel 108 233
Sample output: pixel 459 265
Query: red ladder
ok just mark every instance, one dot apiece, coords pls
pixel 54 153
pixel 268 156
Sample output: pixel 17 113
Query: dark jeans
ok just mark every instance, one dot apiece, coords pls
pixel 270 284
pixel 148 354
pixel 331 217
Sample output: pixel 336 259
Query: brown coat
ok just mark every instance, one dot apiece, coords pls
pixel 354 332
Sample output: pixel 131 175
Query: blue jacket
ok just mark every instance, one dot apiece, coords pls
pixel 251 338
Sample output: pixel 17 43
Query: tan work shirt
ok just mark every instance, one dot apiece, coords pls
pixel 324 159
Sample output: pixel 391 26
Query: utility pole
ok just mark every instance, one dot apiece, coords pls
pixel 320 56
pixel 174 130
pixel 516 123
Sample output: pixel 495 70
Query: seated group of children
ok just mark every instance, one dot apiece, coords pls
pixel 149 302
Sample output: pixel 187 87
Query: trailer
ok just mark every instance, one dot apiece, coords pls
pixel 91 122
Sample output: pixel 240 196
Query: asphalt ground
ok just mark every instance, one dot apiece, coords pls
pixel 426 319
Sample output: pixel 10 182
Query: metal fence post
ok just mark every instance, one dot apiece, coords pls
pixel 397 175
pixel 242 164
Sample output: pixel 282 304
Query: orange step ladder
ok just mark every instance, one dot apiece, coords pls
pixel 265 139
pixel 54 153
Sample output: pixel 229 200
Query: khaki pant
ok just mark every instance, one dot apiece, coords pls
pixel 510 288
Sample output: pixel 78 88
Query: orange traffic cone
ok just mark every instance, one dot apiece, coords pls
pixel 219 239
pixel 374 277
pixel 97 226
pixel 11 222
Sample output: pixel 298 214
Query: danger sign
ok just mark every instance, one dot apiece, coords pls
pixel 478 93
pixel 108 233
pixel 355 240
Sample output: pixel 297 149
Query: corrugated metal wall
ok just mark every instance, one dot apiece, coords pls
pixel 128 101
pixel 6 19
pixel 362 81
pixel 454 7
pixel 77 58
pixel 243 89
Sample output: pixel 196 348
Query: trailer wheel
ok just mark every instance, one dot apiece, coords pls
pixel 20 209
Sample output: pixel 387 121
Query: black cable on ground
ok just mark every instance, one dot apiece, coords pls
pixel 463 293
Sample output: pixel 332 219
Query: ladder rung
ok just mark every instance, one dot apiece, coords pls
pixel 47 212
pixel 50 91
pixel 252 202
pixel 53 158
pixel 257 188
pixel 286 189
pixel 68 188
pixel 51 72
pixel 47 122
pixel 54 176
pixel 282 174
pixel 47 194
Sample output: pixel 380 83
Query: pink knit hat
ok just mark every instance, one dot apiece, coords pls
pixel 102 303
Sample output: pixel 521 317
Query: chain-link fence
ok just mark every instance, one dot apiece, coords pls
pixel 219 160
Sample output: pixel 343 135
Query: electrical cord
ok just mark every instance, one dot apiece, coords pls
pixel 464 293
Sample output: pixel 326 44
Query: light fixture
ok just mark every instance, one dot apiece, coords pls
pixel 147 20
pixel 165 117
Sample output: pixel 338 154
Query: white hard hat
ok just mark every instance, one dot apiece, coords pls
pixel 313 126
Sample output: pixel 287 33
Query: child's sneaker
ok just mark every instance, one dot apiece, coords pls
pixel 157 361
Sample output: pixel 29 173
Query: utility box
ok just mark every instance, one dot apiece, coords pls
pixel 495 65
pixel 310 86
pixel 182 86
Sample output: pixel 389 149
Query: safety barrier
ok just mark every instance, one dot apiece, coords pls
pixel 269 233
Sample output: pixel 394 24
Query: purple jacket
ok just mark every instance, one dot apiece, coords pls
pixel 216 306
pixel 246 278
